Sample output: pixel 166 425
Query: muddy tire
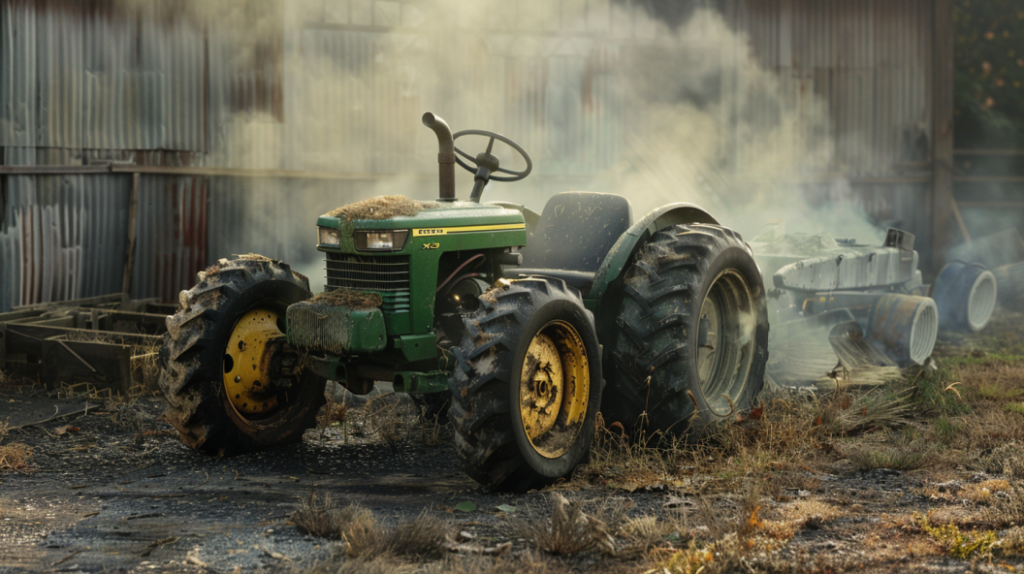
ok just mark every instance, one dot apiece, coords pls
pixel 526 391
pixel 231 300
pixel 692 339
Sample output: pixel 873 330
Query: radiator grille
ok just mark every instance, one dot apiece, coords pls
pixel 368 272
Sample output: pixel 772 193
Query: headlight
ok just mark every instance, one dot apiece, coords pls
pixel 329 236
pixel 381 240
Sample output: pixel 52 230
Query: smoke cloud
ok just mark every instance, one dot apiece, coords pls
pixel 604 97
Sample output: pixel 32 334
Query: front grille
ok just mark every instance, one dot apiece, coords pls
pixel 395 302
pixel 368 272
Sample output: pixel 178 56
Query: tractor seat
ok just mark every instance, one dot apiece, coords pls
pixel 575 232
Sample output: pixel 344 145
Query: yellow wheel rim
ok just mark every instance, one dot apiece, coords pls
pixel 247 368
pixel 554 389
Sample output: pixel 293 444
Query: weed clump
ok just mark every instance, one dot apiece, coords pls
pixel 384 207
pixel 896 455
pixel 13 456
pixel 567 530
pixel 1007 459
pixel 1005 505
pixel 392 418
pixel 956 543
pixel 363 537
pixel 320 516
pixel 934 395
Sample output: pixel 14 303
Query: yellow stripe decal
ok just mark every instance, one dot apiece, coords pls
pixel 430 232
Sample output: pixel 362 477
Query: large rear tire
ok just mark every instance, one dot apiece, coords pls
pixel 232 319
pixel 693 334
pixel 527 388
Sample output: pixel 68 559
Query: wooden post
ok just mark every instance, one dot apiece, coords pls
pixel 129 252
pixel 942 203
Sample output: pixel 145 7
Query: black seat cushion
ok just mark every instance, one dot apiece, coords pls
pixel 576 230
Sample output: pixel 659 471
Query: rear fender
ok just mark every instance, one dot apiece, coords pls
pixel 530 216
pixel 620 255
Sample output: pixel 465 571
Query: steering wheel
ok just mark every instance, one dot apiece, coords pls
pixel 484 164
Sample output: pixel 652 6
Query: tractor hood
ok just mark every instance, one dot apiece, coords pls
pixel 452 226
pixel 431 217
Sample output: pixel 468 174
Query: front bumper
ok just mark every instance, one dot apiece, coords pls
pixel 335 329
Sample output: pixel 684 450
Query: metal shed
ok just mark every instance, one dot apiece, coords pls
pixel 221 154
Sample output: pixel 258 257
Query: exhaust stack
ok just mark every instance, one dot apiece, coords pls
pixel 445 155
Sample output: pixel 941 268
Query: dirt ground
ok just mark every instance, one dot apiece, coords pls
pixel 925 475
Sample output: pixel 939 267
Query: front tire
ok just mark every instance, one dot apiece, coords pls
pixel 527 388
pixel 693 334
pixel 233 318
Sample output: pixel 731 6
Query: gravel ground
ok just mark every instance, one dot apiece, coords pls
pixel 102 496
pixel 113 490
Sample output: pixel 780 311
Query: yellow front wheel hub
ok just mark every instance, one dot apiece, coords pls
pixel 554 389
pixel 247 362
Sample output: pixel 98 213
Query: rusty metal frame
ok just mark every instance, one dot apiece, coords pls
pixel 92 340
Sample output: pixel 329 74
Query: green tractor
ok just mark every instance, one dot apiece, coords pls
pixel 528 324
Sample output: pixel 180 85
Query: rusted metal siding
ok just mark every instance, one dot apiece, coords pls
pixel 80 85
pixel 63 236
pixel 172 241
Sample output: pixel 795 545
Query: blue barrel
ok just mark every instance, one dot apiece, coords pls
pixel 965 295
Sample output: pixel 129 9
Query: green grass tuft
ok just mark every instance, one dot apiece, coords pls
pixel 935 393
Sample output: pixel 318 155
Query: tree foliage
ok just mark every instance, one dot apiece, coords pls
pixel 989 60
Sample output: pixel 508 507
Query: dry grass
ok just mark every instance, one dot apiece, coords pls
pixel 567 529
pixel 391 419
pixel 349 298
pixel 982 492
pixel 362 536
pixel 1005 506
pixel 787 467
pixel 320 516
pixel 628 463
pixel 13 456
pixel 383 207
pixel 433 432
pixel 145 368
pixel 338 564
pixel 786 436
pixel 734 552
pixel 423 536
pixel 896 451
pixel 254 257
pixel 331 414
pixel 126 411
pixel 526 562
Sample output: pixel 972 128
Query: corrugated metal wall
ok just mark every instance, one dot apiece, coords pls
pixel 870 62
pixel 79 86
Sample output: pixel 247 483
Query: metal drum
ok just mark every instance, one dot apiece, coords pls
pixel 965 294
pixel 905 326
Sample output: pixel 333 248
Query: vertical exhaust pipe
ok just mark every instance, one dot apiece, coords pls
pixel 445 155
